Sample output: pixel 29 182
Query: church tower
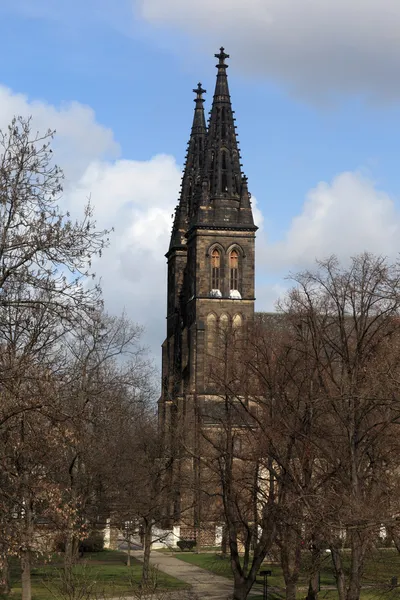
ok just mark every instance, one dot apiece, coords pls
pixel 211 268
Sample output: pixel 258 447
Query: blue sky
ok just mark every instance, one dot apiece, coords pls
pixel 316 90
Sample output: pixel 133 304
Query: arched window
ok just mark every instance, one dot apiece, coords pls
pixel 234 270
pixel 211 346
pixel 223 322
pixel 223 124
pixel 224 182
pixel 237 321
pixel 211 333
pixel 215 269
pixel 224 171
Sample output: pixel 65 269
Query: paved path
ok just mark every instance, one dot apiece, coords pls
pixel 204 584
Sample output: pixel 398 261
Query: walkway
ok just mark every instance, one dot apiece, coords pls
pixel 204 584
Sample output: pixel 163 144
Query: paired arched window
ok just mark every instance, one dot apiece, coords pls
pixel 215 269
pixel 225 271
pixel 234 270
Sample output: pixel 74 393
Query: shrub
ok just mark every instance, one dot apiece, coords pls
pixel 186 544
pixel 93 543
pixel 59 543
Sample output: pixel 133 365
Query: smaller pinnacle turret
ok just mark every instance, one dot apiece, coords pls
pixel 199 122
pixel 191 173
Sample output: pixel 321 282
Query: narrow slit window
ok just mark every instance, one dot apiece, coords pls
pixel 224 182
pixel 215 269
pixel 234 270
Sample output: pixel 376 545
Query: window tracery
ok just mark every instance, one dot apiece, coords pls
pixel 234 270
pixel 215 269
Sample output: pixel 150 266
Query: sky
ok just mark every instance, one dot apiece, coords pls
pixel 316 89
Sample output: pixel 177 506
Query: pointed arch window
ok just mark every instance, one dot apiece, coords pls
pixel 237 321
pixel 223 123
pixel 224 170
pixel 234 270
pixel 224 160
pixel 215 269
pixel 211 333
pixel 223 323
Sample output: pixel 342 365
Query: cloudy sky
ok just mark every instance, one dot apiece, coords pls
pixel 316 89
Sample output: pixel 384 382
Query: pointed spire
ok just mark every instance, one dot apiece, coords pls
pixel 199 121
pixel 191 174
pixel 221 88
pixel 222 175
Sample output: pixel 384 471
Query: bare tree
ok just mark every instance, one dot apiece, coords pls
pixel 107 374
pixel 318 382
pixel 236 478
pixel 138 472
pixel 45 262
pixel 343 327
pixel 45 257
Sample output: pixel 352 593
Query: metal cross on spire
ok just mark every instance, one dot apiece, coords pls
pixel 199 91
pixel 222 56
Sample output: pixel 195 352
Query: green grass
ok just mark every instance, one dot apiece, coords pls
pixel 380 567
pixel 105 572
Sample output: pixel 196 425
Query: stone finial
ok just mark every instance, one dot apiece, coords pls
pixel 199 91
pixel 222 56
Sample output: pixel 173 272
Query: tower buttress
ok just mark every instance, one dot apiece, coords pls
pixel 177 253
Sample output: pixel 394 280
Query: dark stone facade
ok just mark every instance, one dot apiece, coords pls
pixel 211 269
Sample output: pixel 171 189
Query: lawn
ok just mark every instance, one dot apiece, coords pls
pixel 102 573
pixel 382 565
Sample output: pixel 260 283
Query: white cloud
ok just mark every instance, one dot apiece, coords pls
pixel 268 294
pixel 134 197
pixel 137 199
pixel 257 214
pixel 79 137
pixel 312 46
pixel 344 217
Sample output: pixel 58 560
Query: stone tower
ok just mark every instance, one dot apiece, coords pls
pixel 211 268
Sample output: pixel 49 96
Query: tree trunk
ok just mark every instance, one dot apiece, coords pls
pixel 395 537
pixel 313 587
pixel 26 555
pixel 5 587
pixel 71 548
pixel 224 541
pixel 313 584
pixel 147 548
pixel 128 560
pixel 290 559
pixel 26 575
pixel 70 557
pixel 291 590
pixel 357 555
pixel 71 551
pixel 339 573
pixel 241 590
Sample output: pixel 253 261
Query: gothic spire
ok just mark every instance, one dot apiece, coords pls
pixel 191 174
pixel 224 197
